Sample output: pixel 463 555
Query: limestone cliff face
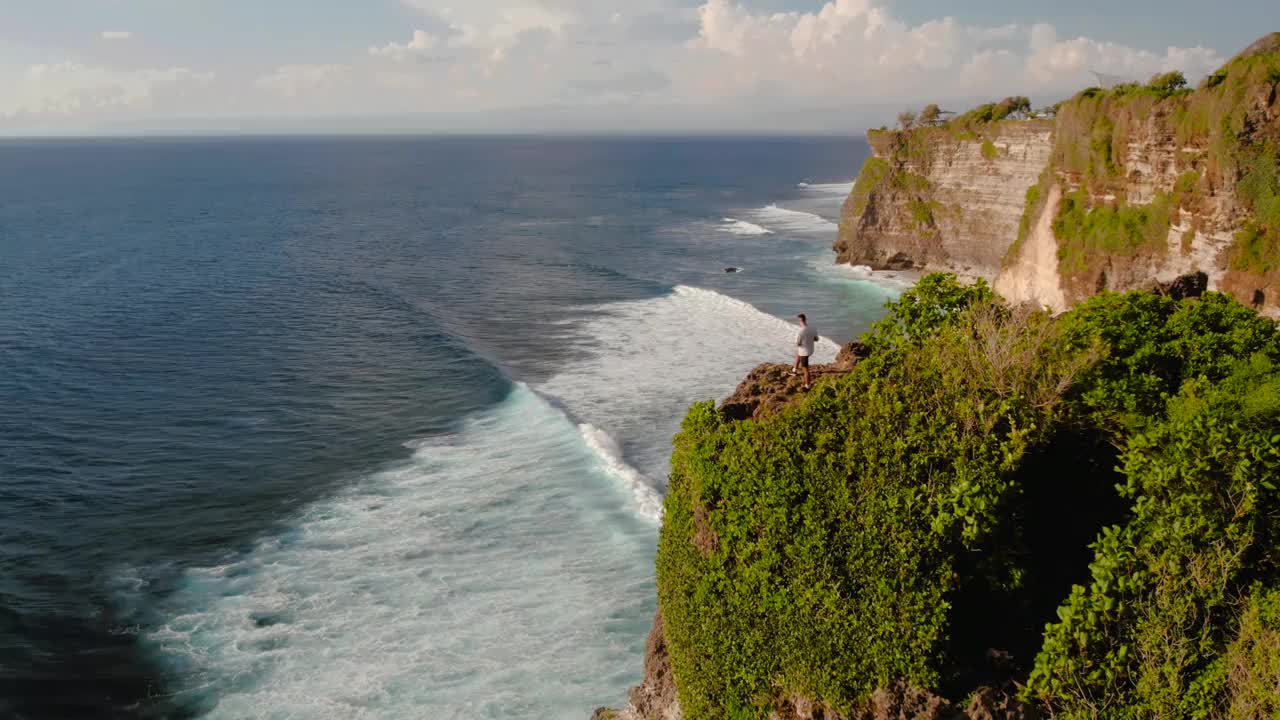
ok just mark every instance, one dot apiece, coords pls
pixel 937 200
pixel 1128 188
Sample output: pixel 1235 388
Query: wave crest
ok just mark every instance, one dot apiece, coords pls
pixel 734 226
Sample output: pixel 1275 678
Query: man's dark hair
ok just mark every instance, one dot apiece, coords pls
pixel 802 317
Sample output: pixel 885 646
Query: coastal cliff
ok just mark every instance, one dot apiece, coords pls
pixel 987 511
pixel 942 200
pixel 1126 187
pixel 983 511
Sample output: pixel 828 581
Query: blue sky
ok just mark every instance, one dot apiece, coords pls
pixel 503 65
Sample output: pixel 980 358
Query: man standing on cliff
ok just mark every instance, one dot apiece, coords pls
pixel 804 349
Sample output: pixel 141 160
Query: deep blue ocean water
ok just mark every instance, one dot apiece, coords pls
pixel 372 428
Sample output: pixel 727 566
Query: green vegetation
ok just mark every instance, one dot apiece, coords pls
pixel 1037 198
pixel 874 171
pixel 1252 662
pixel 1093 494
pixel 1089 234
pixel 993 112
pixel 922 213
pixel 1228 149
pixel 1257 247
pixel 989 150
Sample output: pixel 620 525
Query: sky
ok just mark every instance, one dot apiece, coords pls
pixel 155 66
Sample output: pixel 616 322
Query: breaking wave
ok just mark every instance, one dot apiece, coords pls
pixel 742 227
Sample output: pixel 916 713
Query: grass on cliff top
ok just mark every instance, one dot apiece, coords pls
pixel 957 493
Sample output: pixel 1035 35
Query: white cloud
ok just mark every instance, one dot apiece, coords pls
pixel 74 89
pixel 421 42
pixel 850 59
pixel 294 81
pixel 857 49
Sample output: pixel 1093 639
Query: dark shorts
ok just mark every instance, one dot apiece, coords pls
pixel 803 360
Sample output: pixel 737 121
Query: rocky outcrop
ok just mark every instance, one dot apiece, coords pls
pixel 938 200
pixel 655 697
pixel 771 387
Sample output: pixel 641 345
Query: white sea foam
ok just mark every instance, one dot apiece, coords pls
pixel 888 280
pixel 501 571
pixel 646 361
pixel 827 188
pixel 742 227
pixel 493 574
pixel 794 221
pixel 647 500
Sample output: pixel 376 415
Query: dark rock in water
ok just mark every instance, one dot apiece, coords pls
pixel 732 269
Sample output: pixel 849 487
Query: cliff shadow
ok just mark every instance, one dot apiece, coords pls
pixel 1068 495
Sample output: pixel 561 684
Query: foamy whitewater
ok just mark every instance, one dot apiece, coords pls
pixel 467 561
pixel 734 226
pixel 453 585
pixel 796 221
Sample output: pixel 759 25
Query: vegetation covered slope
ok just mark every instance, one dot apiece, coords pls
pixel 1138 161
pixel 1082 508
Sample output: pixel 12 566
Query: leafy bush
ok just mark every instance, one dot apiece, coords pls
pixel 939 501
pixel 933 304
pixel 1147 636
pixel 794 549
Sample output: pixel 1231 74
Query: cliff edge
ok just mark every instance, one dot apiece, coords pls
pixel 1125 187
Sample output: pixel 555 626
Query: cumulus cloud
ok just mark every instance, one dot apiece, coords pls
pixel 69 88
pixel 116 34
pixel 421 42
pixel 293 81
pixel 693 59
pixel 859 49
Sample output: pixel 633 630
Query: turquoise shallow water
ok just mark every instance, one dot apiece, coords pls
pixel 372 427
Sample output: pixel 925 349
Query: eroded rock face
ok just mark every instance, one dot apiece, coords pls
pixel 655 697
pixel 770 386
pixel 953 201
pixel 955 207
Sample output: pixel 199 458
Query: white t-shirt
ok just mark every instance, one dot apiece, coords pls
pixel 805 340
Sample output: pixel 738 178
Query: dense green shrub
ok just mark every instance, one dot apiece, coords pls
pixel 939 501
pixel 1148 636
pixel 1154 345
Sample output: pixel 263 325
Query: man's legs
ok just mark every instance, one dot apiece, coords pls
pixel 807 381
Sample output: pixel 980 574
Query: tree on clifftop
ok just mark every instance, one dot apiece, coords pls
pixel 929 115
pixel 1168 83
pixel 1012 105
pixel 906 120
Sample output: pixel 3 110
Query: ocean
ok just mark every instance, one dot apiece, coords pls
pixel 373 427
